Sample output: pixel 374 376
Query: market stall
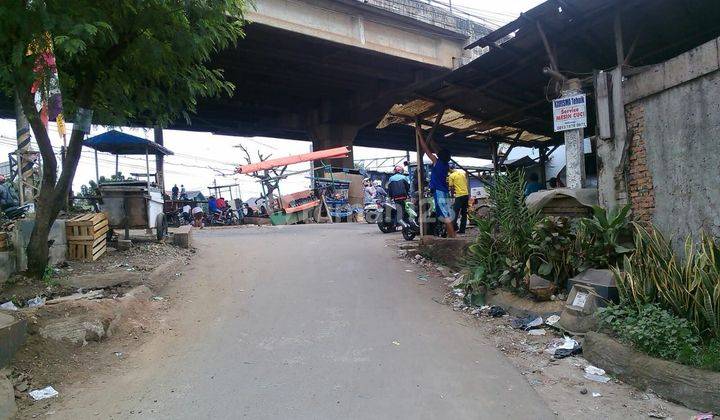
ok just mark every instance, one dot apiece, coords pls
pixel 130 204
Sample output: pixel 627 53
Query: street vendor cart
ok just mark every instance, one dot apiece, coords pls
pixel 130 204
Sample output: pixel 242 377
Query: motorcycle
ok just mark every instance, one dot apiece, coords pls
pixel 371 211
pixel 411 226
pixel 17 212
pixel 387 216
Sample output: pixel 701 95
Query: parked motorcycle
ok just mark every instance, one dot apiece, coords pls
pixel 411 225
pixel 387 216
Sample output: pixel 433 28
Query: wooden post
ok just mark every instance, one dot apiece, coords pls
pixel 617 27
pixel 543 161
pixel 97 169
pixel 421 212
pixel 159 159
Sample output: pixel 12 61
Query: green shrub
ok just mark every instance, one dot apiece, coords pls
pixel 602 241
pixel 690 288
pixel 652 330
pixel 553 250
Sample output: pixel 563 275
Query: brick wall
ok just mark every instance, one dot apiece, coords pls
pixel 639 180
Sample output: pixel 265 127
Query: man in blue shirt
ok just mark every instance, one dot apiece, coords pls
pixel 212 205
pixel 534 185
pixel 439 185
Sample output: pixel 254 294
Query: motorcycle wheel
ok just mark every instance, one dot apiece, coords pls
pixel 386 227
pixel 371 217
pixel 408 233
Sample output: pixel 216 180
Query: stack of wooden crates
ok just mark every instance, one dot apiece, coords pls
pixel 87 236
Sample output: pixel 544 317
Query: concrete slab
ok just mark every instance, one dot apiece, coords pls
pixel 182 236
pixel 692 64
pixel 7 265
pixel 12 336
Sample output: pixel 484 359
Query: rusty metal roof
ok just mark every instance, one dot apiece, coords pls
pixel 504 95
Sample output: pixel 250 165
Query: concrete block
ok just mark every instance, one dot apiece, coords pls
pixel 7 266
pixel 12 336
pixel 57 232
pixel 182 237
pixel 446 251
pixel 644 84
pixel 692 64
pixel 58 253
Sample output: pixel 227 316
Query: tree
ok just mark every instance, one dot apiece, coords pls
pixel 144 62
pixel 271 183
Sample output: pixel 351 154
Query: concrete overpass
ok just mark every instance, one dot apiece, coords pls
pixel 327 70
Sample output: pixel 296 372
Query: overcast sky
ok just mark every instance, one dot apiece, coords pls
pixel 203 158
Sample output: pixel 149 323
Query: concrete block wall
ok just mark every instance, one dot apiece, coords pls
pixel 639 179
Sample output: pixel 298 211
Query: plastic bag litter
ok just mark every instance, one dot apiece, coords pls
pixel 552 320
pixel 9 306
pixel 496 311
pixel 36 302
pixel 594 370
pixel 41 394
pixel 562 348
pixel 537 331
pixel 527 323
pixel 596 374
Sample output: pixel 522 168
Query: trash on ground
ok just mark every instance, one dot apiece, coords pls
pixel 41 394
pixel 158 298
pixel 527 323
pixel 92 294
pixel 118 353
pixel 9 306
pixel 397 343
pixel 596 394
pixel 459 293
pixel 594 370
pixel 496 311
pixel 583 391
pixel 537 331
pixel 562 348
pixel 36 302
pixel 552 320
pixel 596 374
pixel 422 277
pixel 703 416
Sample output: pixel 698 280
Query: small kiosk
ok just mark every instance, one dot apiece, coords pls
pixel 130 204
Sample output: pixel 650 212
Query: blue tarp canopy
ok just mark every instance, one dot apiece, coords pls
pixel 119 143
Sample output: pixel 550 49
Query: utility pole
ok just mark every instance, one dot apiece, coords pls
pixel 159 159
pixel 574 142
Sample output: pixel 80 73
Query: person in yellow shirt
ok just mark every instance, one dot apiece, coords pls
pixel 458 182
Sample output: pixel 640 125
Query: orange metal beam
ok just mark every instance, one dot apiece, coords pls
pixel 336 153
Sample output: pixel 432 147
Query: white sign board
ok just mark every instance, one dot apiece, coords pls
pixel 569 113
pixel 580 299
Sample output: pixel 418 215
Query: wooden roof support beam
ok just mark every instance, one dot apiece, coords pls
pixel 548 49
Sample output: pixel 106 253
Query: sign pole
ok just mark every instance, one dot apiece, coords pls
pixel 570 117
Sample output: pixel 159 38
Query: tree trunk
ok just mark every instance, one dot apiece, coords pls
pixel 48 204
pixel 52 194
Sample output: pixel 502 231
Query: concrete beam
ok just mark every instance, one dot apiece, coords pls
pixel 337 22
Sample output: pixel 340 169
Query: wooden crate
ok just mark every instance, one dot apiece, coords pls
pixel 86 227
pixel 86 251
pixel 86 236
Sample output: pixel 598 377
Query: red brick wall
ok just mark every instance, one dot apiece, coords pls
pixel 640 183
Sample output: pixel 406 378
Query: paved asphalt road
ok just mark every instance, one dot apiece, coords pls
pixel 307 322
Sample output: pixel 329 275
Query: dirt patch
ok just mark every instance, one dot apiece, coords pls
pixel 561 383
pixel 117 271
pixel 71 341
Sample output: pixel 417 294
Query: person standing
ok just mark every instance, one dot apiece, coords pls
pixel 457 180
pixel 368 191
pixel 439 185
pixel 183 195
pixel 175 192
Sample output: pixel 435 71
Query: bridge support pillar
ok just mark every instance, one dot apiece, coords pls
pixel 327 136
